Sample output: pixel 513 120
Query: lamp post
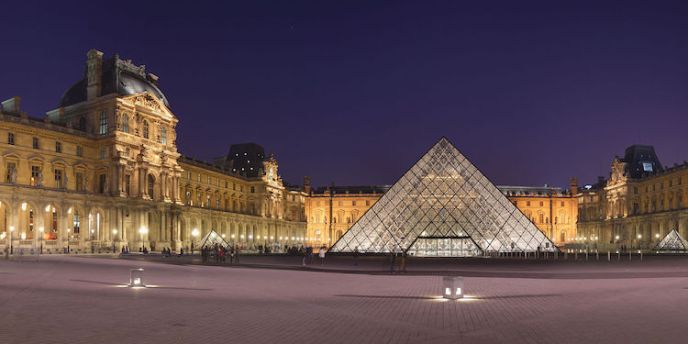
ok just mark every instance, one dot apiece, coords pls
pixel 68 239
pixel 143 231
pixel 11 247
pixel 640 236
pixel 194 234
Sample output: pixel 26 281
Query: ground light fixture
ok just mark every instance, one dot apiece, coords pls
pixel 452 287
pixel 136 278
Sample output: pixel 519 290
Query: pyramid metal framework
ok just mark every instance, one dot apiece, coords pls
pixel 673 242
pixel 443 206
pixel 213 238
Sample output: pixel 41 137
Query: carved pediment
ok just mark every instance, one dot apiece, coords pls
pixel 151 103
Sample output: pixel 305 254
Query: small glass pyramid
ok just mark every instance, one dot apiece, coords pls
pixel 213 238
pixel 444 207
pixel 673 242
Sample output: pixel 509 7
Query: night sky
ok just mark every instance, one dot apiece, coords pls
pixel 355 91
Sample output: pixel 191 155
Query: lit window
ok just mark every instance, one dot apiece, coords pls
pixel 11 172
pixel 163 135
pixel 58 179
pixel 35 175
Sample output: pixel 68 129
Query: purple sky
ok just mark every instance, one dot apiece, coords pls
pixel 355 91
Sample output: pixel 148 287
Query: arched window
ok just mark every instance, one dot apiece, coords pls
pixel 151 186
pixel 145 129
pixel 163 134
pixel 103 128
pixel 125 123
pixel 76 228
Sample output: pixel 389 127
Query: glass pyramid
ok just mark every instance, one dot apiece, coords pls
pixel 213 238
pixel 673 242
pixel 443 206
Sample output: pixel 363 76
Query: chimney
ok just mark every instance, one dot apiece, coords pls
pixel 94 73
pixel 307 184
pixel 573 185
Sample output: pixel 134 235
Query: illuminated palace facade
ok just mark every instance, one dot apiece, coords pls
pixel 637 205
pixel 102 171
pixel 331 211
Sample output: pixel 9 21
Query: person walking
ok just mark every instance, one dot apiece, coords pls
pixel 356 256
pixel 321 254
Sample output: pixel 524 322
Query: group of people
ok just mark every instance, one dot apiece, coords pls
pixel 306 254
pixel 219 253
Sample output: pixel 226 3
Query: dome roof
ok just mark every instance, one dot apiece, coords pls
pixel 120 77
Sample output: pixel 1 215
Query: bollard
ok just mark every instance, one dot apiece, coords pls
pixel 586 255
pixel 453 287
pixel 597 254
pixel 641 255
pixel 629 256
pixel 609 256
pixel 575 257
pixel 618 255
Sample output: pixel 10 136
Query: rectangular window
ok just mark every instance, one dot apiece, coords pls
pixel 101 184
pixel 58 147
pixel 163 134
pixel 10 138
pixel 79 181
pixel 353 203
pixel 35 175
pixel 11 176
pixel 103 128
pixel 58 179
pixel 101 153
pixel 36 144
pixel 79 151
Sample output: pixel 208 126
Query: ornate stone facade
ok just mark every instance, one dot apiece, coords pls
pixel 102 172
pixel 553 210
pixel 637 206
pixel 331 211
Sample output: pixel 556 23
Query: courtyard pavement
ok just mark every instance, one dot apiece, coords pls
pixel 59 299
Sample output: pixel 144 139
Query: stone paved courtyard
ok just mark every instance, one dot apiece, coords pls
pixel 81 300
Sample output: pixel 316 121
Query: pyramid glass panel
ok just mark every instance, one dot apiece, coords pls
pixel 213 238
pixel 443 206
pixel 673 242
